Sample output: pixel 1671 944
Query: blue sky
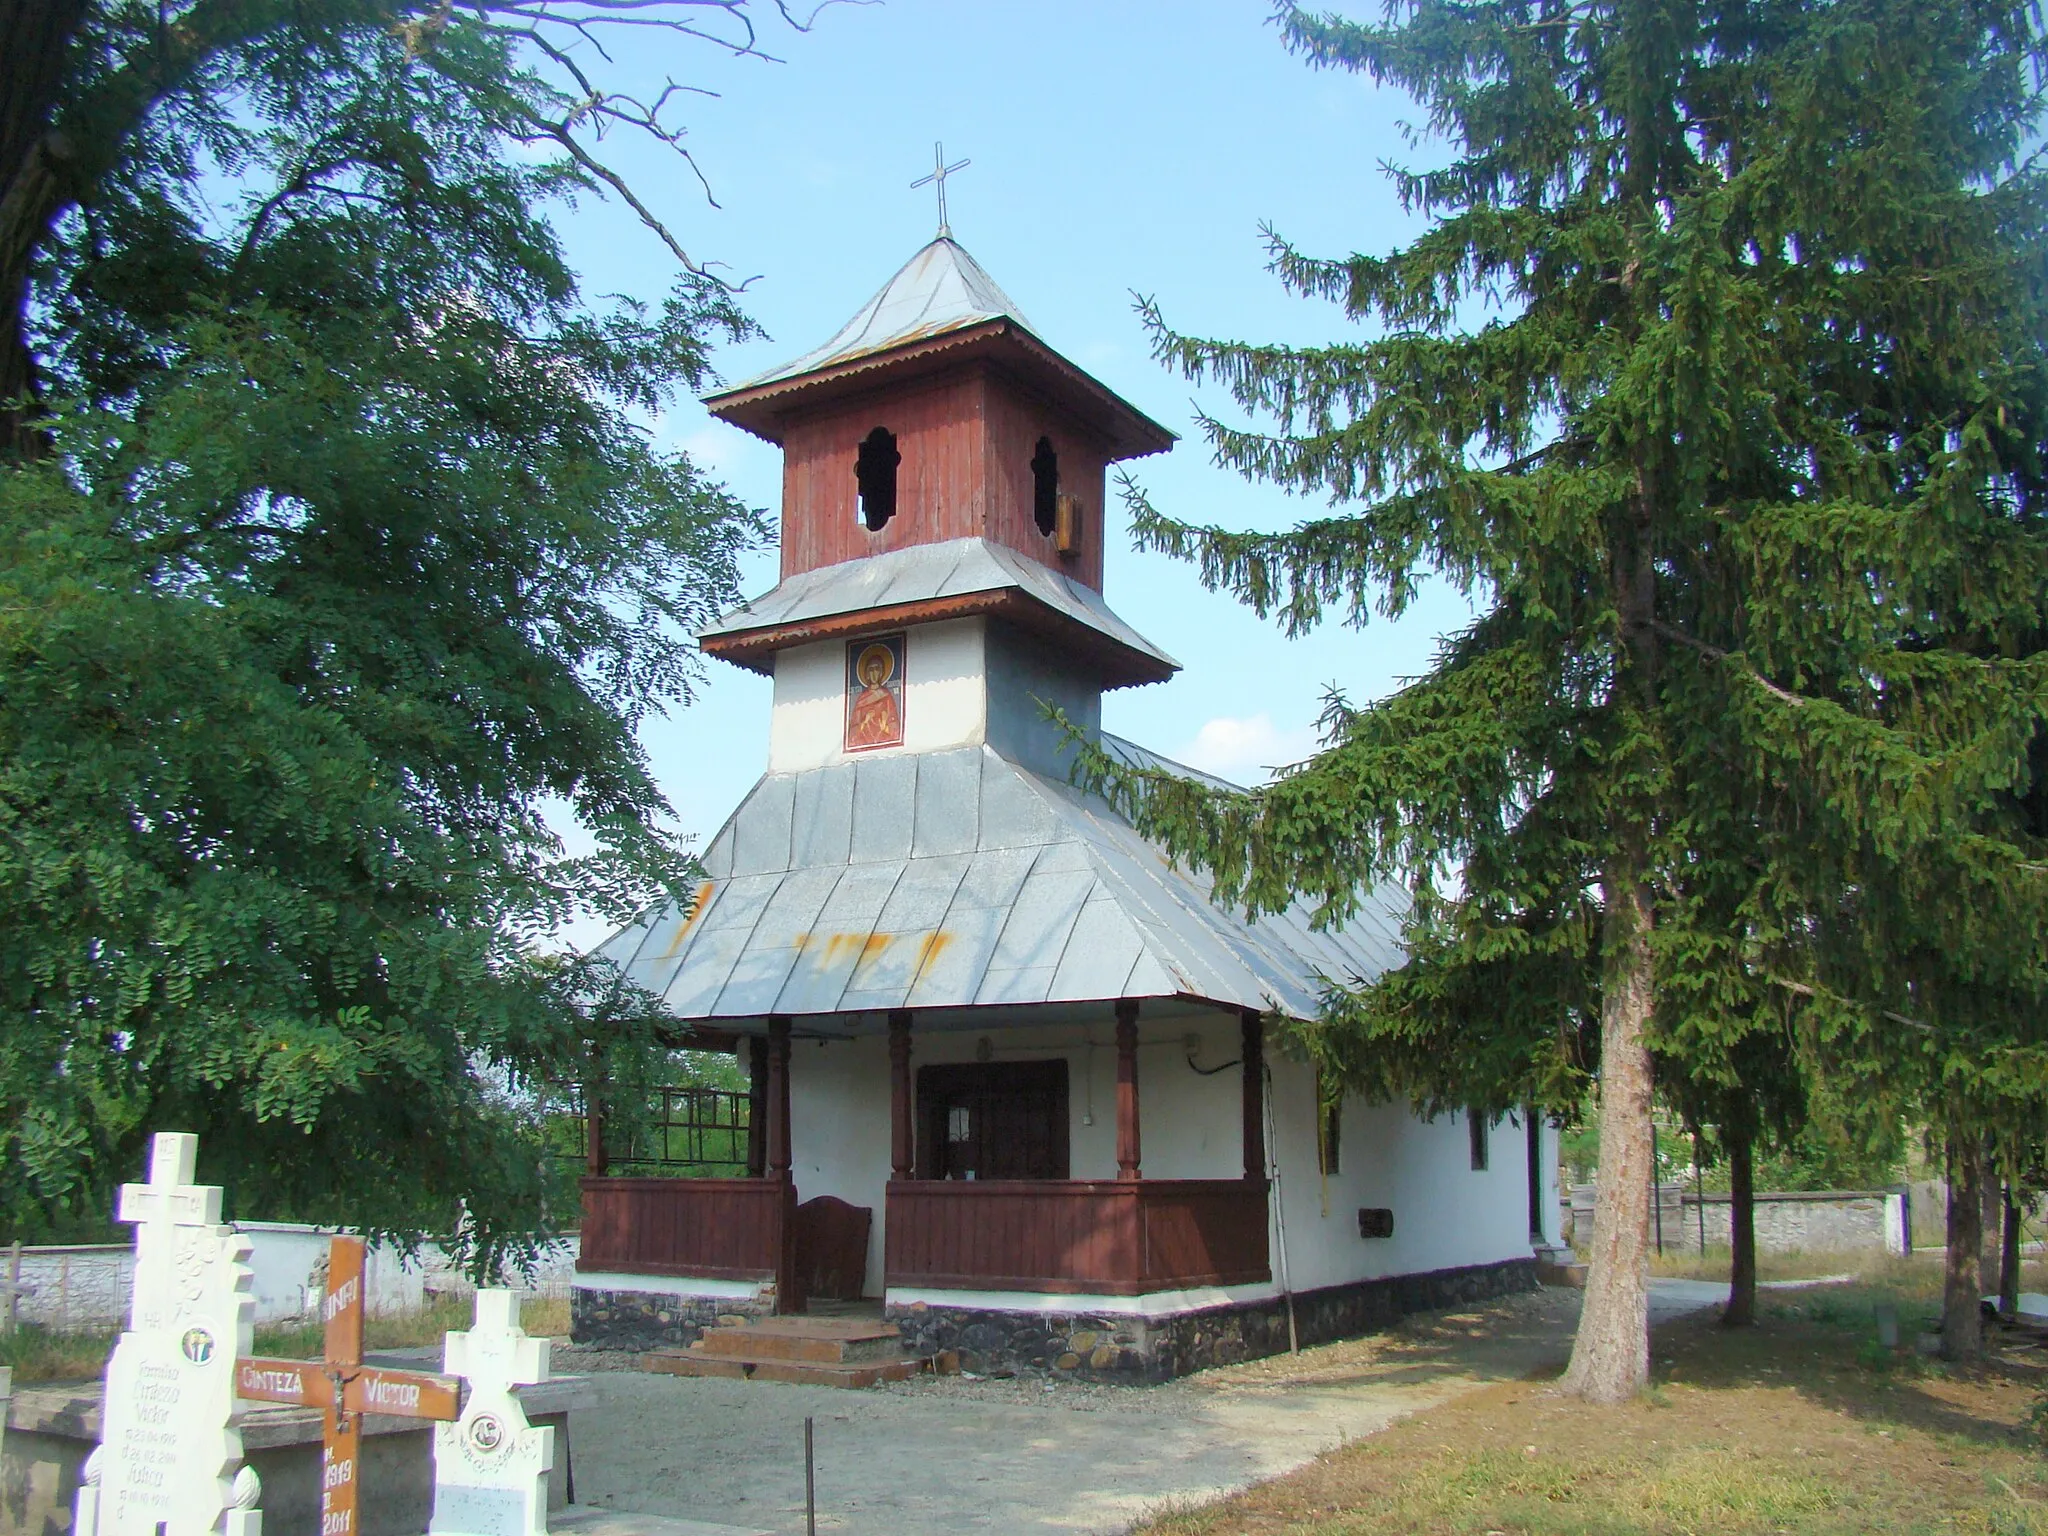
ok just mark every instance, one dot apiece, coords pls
pixel 1117 147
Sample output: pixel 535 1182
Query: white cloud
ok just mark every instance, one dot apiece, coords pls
pixel 1246 751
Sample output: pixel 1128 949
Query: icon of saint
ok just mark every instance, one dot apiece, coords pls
pixel 875 717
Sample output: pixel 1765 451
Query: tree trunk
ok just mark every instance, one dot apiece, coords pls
pixel 1962 1326
pixel 1741 1309
pixel 1611 1355
pixel 38 34
pixel 2009 1258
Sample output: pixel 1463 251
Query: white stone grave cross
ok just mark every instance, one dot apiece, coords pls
pixel 490 1466
pixel 169 1447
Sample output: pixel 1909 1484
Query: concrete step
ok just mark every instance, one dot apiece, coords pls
pixel 813 1340
pixel 858 1373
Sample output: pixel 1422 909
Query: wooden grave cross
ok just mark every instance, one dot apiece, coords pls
pixel 347 1389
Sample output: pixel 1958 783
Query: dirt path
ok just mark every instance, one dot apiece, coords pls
pixel 948 1455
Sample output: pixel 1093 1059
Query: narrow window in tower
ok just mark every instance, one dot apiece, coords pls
pixel 1045 487
pixel 875 472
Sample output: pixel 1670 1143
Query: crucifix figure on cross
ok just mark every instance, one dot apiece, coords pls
pixel 940 171
pixel 346 1388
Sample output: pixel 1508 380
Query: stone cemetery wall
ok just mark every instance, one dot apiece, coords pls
pixel 77 1286
pixel 1830 1222
pixel 1821 1221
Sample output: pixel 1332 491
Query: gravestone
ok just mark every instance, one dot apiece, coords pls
pixel 170 1453
pixel 490 1466
pixel 345 1389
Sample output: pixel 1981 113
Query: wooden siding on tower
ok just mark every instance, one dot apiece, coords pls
pixel 966 438
pixel 1015 423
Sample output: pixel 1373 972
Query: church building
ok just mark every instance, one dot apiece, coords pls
pixel 1016 1083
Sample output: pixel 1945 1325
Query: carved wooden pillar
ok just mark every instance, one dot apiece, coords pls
pixel 1254 1053
pixel 1127 1088
pixel 757 1106
pixel 789 1296
pixel 902 1135
pixel 778 1097
pixel 596 1155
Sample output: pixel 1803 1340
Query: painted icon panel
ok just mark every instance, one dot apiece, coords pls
pixel 874 693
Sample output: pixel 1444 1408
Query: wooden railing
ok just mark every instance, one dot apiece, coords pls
pixel 719 1229
pixel 1116 1237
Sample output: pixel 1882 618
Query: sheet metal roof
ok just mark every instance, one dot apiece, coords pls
pixel 958 879
pixel 919 572
pixel 940 289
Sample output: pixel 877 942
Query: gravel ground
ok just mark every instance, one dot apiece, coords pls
pixel 949 1454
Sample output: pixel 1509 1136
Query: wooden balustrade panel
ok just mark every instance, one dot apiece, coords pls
pixel 1106 1237
pixel 1203 1232
pixel 1023 1235
pixel 720 1229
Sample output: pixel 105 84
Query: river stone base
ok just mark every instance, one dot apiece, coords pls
pixel 644 1320
pixel 1121 1348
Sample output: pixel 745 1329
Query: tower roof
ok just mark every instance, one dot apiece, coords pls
pixel 940 302
pixel 940 289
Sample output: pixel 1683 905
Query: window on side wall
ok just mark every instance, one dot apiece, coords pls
pixel 1475 1123
pixel 1329 1129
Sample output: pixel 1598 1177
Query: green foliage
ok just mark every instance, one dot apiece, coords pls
pixel 348 576
pixel 1719 384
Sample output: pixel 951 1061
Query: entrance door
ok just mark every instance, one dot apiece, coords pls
pixel 992 1120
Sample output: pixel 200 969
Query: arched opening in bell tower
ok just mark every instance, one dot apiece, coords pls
pixel 874 471
pixel 1045 487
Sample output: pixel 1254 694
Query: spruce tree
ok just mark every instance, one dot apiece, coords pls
pixel 1717 383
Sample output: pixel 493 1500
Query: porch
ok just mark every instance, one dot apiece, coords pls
pixel 1122 1236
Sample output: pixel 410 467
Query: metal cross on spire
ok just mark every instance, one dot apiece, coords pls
pixel 940 171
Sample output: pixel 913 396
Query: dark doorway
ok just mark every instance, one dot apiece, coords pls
pixel 992 1120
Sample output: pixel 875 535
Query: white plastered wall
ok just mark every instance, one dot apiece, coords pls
pixel 944 697
pixel 1446 1214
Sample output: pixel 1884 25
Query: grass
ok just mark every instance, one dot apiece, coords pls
pixel 1801 1424
pixel 40 1354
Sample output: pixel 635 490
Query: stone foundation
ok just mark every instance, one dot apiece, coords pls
pixel 643 1320
pixel 1123 1348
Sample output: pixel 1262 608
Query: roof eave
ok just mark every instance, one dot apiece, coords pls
pixel 1114 663
pixel 763 409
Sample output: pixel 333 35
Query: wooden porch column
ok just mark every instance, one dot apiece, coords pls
pixel 778 1097
pixel 789 1295
pixel 1127 1088
pixel 902 1135
pixel 597 1161
pixel 1254 1053
pixel 757 1106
